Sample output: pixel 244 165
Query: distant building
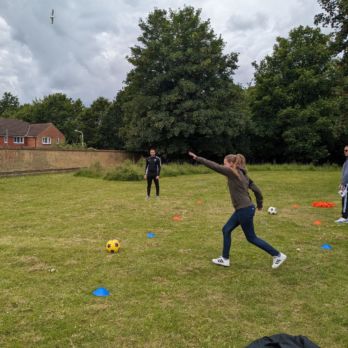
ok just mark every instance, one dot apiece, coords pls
pixel 20 134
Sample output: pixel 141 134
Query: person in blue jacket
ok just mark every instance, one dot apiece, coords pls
pixel 343 189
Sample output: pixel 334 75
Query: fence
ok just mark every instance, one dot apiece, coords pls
pixel 40 160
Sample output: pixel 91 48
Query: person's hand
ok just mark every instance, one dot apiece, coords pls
pixel 192 155
pixel 157 177
pixel 340 187
pixel 145 176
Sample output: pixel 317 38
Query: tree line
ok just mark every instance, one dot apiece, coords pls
pixel 180 94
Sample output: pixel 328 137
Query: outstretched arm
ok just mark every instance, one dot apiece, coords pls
pixel 194 156
pixel 213 165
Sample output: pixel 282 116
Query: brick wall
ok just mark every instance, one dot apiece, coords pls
pixel 30 142
pixel 17 160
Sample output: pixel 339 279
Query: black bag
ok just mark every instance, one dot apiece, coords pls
pixel 283 341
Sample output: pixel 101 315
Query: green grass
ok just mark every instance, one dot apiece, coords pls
pixel 293 167
pixel 164 291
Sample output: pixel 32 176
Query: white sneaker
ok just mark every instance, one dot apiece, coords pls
pixel 341 220
pixel 147 198
pixel 221 261
pixel 278 260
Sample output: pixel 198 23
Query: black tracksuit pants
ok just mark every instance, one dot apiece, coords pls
pixel 345 206
pixel 150 178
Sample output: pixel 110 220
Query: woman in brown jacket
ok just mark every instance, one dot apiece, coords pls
pixel 239 184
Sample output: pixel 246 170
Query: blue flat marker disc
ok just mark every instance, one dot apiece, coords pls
pixel 101 292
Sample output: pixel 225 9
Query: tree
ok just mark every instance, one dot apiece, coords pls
pixel 180 93
pixel 294 106
pixel 336 16
pixel 8 105
pixel 24 112
pixel 57 108
pixel 111 125
pixel 91 121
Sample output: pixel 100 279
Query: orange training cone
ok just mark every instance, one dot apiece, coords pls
pixel 177 217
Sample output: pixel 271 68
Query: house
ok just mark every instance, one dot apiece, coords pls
pixel 20 134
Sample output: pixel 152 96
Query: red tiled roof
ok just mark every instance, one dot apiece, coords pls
pixel 37 128
pixel 21 128
pixel 13 127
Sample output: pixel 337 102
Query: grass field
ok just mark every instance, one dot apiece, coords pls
pixel 164 291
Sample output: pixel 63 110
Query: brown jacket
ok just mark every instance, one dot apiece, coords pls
pixel 238 186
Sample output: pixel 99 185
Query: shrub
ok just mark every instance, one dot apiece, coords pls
pixel 94 171
pixel 126 172
pixel 129 171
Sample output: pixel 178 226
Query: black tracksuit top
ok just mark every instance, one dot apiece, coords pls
pixel 153 166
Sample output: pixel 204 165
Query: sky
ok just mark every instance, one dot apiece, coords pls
pixel 83 53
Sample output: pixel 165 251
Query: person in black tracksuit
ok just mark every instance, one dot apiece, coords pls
pixel 152 172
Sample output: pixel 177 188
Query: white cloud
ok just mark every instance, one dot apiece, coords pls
pixel 17 66
pixel 83 53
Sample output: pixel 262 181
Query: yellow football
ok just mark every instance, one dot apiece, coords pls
pixel 113 246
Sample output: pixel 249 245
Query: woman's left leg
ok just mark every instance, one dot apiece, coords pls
pixel 230 225
pixel 247 223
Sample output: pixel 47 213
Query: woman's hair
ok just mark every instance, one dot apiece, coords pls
pixel 233 159
pixel 241 162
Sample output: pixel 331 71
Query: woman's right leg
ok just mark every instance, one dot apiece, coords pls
pixel 247 224
pixel 230 225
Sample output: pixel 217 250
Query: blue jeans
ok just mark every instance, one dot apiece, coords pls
pixel 245 218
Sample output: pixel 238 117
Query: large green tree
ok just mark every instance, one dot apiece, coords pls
pixel 294 105
pixel 111 124
pixel 180 92
pixel 9 104
pixel 57 108
pixel 91 121
pixel 336 16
